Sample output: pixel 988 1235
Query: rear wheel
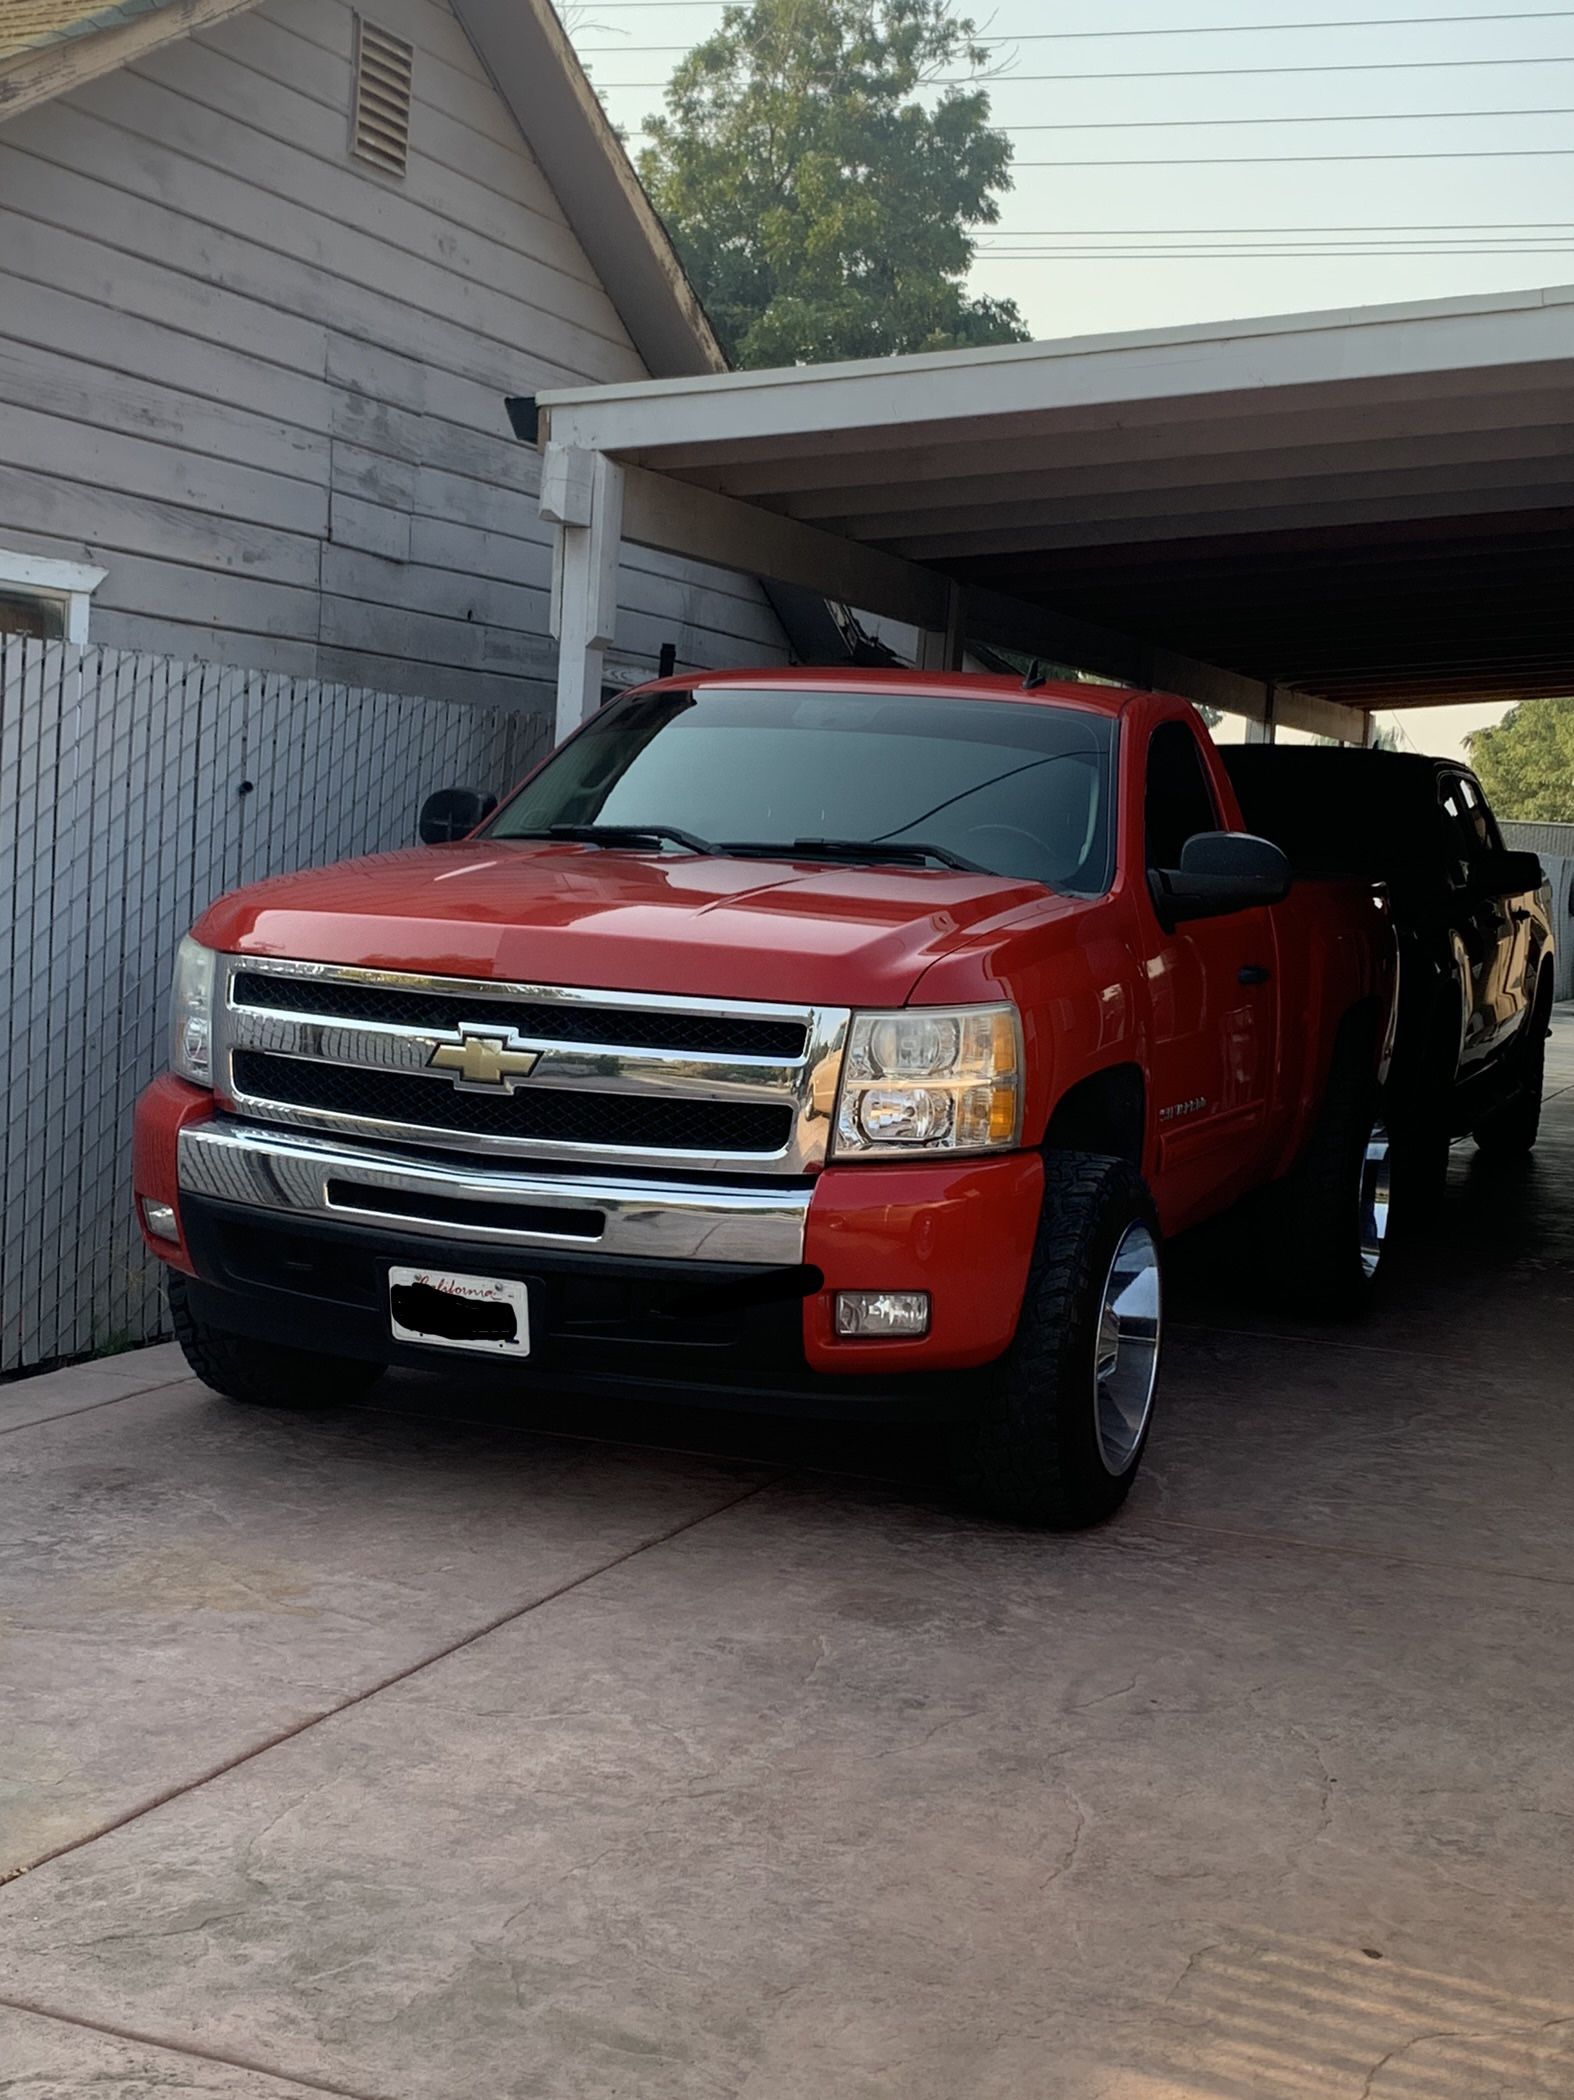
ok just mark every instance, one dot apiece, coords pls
pixel 1511 1131
pixel 1330 1218
pixel 1066 1412
pixel 263 1374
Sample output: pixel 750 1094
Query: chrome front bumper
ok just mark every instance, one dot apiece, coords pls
pixel 273 1170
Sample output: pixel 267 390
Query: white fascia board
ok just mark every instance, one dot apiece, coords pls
pixel 1249 359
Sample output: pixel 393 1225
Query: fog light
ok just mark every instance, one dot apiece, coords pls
pixel 160 1219
pixel 865 1315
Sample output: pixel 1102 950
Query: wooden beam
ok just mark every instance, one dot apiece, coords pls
pixel 54 69
pixel 682 519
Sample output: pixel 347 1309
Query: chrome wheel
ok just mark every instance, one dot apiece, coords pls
pixel 1376 1188
pixel 1126 1363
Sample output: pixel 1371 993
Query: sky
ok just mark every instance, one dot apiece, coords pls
pixel 1472 115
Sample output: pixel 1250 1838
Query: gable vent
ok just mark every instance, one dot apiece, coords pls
pixel 380 131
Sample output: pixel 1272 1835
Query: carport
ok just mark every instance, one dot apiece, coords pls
pixel 1297 520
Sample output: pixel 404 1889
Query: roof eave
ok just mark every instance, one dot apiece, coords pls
pixel 528 54
pixel 46 70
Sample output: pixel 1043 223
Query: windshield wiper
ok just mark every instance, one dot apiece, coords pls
pixel 621 835
pixel 867 852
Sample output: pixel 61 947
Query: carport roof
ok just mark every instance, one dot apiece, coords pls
pixel 1374 505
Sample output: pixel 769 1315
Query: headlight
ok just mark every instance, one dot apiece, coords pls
pixel 191 1013
pixel 931 1079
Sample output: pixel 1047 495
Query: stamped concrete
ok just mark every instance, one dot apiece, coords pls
pixel 775 1777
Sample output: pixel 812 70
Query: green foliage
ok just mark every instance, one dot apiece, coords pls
pixel 1526 762
pixel 818 184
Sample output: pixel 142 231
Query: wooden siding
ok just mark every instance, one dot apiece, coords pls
pixel 262 384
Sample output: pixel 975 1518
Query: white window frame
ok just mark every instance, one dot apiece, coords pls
pixel 68 583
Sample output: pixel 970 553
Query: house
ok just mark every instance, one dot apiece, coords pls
pixel 268 275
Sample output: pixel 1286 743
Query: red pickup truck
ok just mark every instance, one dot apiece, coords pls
pixel 843 1040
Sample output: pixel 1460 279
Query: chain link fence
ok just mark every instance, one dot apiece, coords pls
pixel 133 790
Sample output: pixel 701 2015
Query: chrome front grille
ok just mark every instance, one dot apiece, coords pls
pixel 530 1071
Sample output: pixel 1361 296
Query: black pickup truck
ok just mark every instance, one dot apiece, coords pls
pixel 1474 924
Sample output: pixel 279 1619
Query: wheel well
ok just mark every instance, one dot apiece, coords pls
pixel 1107 1113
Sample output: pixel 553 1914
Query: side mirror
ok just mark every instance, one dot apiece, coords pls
pixel 1504 873
pixel 1220 872
pixel 453 813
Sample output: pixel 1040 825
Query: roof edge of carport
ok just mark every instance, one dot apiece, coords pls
pixel 1058 349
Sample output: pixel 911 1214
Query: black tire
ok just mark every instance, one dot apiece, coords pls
pixel 1033 1454
pixel 1511 1131
pixel 264 1374
pixel 1421 1147
pixel 1319 1222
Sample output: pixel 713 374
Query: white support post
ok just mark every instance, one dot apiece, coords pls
pixel 582 495
pixel 1266 730
pixel 941 648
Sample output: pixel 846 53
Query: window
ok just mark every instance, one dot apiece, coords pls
pixel 46 600
pixel 1019 788
pixel 380 121
pixel 1179 801
pixel 1469 818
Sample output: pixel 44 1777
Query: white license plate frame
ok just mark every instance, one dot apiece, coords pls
pixel 463 1290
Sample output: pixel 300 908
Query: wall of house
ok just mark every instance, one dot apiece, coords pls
pixel 262 384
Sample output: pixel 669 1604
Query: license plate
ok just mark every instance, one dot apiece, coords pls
pixel 443 1311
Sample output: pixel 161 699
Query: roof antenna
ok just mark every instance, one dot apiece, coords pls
pixel 1036 676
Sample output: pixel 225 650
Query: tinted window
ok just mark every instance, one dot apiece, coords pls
pixel 1179 799
pixel 1467 816
pixel 1021 788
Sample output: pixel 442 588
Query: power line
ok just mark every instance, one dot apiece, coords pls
pixel 1181 253
pixel 1418 226
pixel 1390 65
pixel 1286 160
pixel 1082 36
pixel 1387 116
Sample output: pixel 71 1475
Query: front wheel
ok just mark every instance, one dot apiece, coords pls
pixel 1065 1413
pixel 263 1374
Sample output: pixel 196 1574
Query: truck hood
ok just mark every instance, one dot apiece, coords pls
pixel 549 913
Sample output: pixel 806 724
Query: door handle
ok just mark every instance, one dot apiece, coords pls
pixel 1253 973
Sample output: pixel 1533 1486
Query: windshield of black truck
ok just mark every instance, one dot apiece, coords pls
pixel 1015 788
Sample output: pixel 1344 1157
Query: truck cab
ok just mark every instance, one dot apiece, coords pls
pixel 852 1041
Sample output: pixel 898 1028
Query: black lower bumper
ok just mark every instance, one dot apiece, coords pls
pixel 720 1334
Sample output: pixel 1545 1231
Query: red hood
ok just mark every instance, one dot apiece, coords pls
pixel 624 921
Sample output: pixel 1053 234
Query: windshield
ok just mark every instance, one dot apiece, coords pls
pixel 1014 788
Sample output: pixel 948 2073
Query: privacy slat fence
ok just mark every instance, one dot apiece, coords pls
pixel 133 790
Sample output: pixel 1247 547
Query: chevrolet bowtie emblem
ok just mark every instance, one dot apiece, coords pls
pixel 486 1059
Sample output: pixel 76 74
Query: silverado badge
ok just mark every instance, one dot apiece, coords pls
pixel 485 1060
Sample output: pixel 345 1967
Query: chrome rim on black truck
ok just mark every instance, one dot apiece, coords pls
pixel 1376 1188
pixel 1126 1361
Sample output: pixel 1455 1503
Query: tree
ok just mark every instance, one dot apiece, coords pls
pixel 819 180
pixel 1526 762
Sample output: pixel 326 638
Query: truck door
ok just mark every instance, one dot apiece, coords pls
pixel 1492 938
pixel 1214 1002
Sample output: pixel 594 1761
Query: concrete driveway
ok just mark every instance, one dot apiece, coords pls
pixel 427 1753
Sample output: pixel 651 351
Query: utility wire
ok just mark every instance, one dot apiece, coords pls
pixel 1183 254
pixel 1388 116
pixel 987 79
pixel 1375 116
pixel 1081 36
pixel 1299 160
pixel 1057 233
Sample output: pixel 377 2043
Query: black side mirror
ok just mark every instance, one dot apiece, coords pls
pixel 1220 872
pixel 1502 873
pixel 453 813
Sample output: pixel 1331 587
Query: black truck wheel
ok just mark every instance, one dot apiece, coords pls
pixel 1511 1131
pixel 263 1374
pixel 1064 1415
pixel 1326 1229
